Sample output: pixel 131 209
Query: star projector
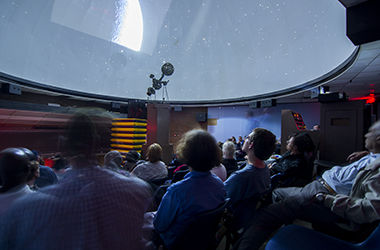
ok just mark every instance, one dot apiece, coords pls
pixel 167 69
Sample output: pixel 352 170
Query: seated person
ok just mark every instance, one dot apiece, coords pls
pixel 131 159
pixel 229 161
pixel 91 208
pixel 346 197
pixel 153 168
pixel 244 187
pixel 294 165
pixel 15 170
pixel 200 191
pixel 113 161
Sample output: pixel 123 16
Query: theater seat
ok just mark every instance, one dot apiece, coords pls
pixel 295 237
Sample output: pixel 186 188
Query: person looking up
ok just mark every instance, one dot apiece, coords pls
pixel 244 187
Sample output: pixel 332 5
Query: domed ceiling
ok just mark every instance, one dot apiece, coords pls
pixel 220 49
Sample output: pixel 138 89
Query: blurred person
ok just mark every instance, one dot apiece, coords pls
pixel 198 192
pixel 91 208
pixel 229 161
pixel 60 165
pixel 153 168
pixel 316 127
pixel 15 171
pixel 244 187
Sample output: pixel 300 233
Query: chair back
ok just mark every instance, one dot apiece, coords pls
pixel 200 232
pixel 179 175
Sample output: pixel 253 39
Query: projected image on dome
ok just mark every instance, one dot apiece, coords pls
pixel 220 50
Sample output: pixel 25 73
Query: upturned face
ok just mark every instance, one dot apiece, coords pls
pixel 372 138
pixel 290 146
pixel 247 143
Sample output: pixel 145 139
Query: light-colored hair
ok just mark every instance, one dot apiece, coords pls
pixel 154 153
pixel 228 149
pixel 113 156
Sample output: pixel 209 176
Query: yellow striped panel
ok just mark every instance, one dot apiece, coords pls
pixel 130 120
pixel 128 135
pixel 126 151
pixel 128 124
pixel 126 146
pixel 129 129
pixel 128 140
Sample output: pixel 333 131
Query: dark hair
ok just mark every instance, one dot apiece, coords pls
pixel 263 143
pixel 14 167
pixel 198 149
pixel 303 142
pixel 154 153
pixel 87 135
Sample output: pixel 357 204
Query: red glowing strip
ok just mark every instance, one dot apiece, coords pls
pixel 369 99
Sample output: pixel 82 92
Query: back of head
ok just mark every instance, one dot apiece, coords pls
pixel 86 135
pixel 263 143
pixel 199 150
pixel 14 167
pixel 113 157
pixel 304 143
pixel 228 150
pixel 154 153
pixel 132 156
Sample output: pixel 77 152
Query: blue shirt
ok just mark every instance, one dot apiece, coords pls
pixel 247 183
pixel 196 193
pixel 47 177
pixel 341 179
pixel 244 188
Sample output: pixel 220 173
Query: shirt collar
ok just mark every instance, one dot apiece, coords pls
pixel 196 173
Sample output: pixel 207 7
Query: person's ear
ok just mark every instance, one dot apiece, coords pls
pixel 378 140
pixel 250 145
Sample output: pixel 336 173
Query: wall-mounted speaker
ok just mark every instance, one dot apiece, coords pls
pixel 10 89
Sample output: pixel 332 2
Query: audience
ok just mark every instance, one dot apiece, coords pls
pixel 228 157
pixel 103 208
pixel 200 190
pixel 244 187
pixel 91 208
pixel 345 197
pixel 153 168
pixel 295 166
pixel 15 169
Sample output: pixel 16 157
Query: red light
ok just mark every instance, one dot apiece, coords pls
pixel 368 99
pixel 371 98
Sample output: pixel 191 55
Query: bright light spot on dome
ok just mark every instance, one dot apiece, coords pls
pixel 129 24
